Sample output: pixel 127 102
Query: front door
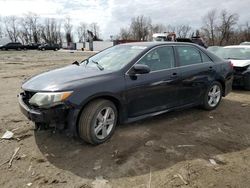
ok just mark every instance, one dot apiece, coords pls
pixel 157 90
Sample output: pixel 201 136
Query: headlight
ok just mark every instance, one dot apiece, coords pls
pixel 49 99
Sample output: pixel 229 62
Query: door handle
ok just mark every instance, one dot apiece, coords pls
pixel 210 68
pixel 174 75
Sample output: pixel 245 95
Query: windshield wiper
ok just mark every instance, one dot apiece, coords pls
pixel 98 65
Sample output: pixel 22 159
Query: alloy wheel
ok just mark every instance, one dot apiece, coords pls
pixel 214 95
pixel 104 122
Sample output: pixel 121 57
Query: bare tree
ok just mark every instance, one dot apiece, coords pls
pixel 140 27
pixel 51 31
pixel 12 28
pixel 158 28
pixel 170 28
pixel 125 34
pixel 210 25
pixel 246 32
pixel 68 30
pixel 1 28
pixel 82 32
pixel 32 21
pixel 95 30
pixel 183 31
pixel 228 21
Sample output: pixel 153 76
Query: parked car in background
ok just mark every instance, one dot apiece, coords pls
pixel 12 46
pixel 31 46
pixel 240 58
pixel 46 46
pixel 126 83
pixel 245 43
pixel 171 37
pixel 213 49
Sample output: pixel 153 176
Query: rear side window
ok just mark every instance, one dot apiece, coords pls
pixel 159 58
pixel 188 55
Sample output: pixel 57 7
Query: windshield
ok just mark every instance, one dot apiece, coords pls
pixel 234 53
pixel 114 58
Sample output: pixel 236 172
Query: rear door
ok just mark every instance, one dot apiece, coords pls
pixel 154 91
pixel 196 71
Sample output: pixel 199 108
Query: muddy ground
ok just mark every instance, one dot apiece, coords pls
pixel 189 148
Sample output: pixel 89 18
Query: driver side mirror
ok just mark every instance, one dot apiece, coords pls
pixel 141 69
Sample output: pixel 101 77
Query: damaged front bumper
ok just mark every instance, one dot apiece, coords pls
pixel 57 114
pixel 241 77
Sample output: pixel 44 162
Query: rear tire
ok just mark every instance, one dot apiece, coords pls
pixel 97 121
pixel 212 96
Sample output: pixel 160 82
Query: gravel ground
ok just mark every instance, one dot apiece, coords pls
pixel 189 148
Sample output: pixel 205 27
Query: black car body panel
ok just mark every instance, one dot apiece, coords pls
pixel 19 46
pixel 49 47
pixel 12 46
pixel 32 46
pixel 136 96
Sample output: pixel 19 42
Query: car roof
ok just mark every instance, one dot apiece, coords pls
pixel 238 46
pixel 152 44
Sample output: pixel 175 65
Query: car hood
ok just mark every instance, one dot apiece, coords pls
pixel 65 78
pixel 240 63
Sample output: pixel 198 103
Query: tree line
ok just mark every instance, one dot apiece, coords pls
pixel 218 28
pixel 32 29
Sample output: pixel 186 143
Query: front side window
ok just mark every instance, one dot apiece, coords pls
pixel 188 55
pixel 159 59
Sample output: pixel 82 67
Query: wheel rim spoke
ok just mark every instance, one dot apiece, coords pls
pixel 214 89
pixel 109 121
pixel 104 131
pixel 107 113
pixel 217 93
pixel 98 129
pixel 210 94
pixel 100 117
pixel 210 100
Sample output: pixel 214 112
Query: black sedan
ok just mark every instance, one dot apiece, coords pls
pixel 125 83
pixel 46 46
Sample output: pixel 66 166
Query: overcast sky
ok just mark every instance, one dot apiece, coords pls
pixel 113 14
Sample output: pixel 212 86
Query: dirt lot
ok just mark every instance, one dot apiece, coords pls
pixel 171 150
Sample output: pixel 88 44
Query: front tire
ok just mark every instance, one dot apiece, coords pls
pixel 212 96
pixel 97 121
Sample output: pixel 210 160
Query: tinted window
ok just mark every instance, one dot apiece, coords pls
pixel 159 58
pixel 188 55
pixel 205 58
